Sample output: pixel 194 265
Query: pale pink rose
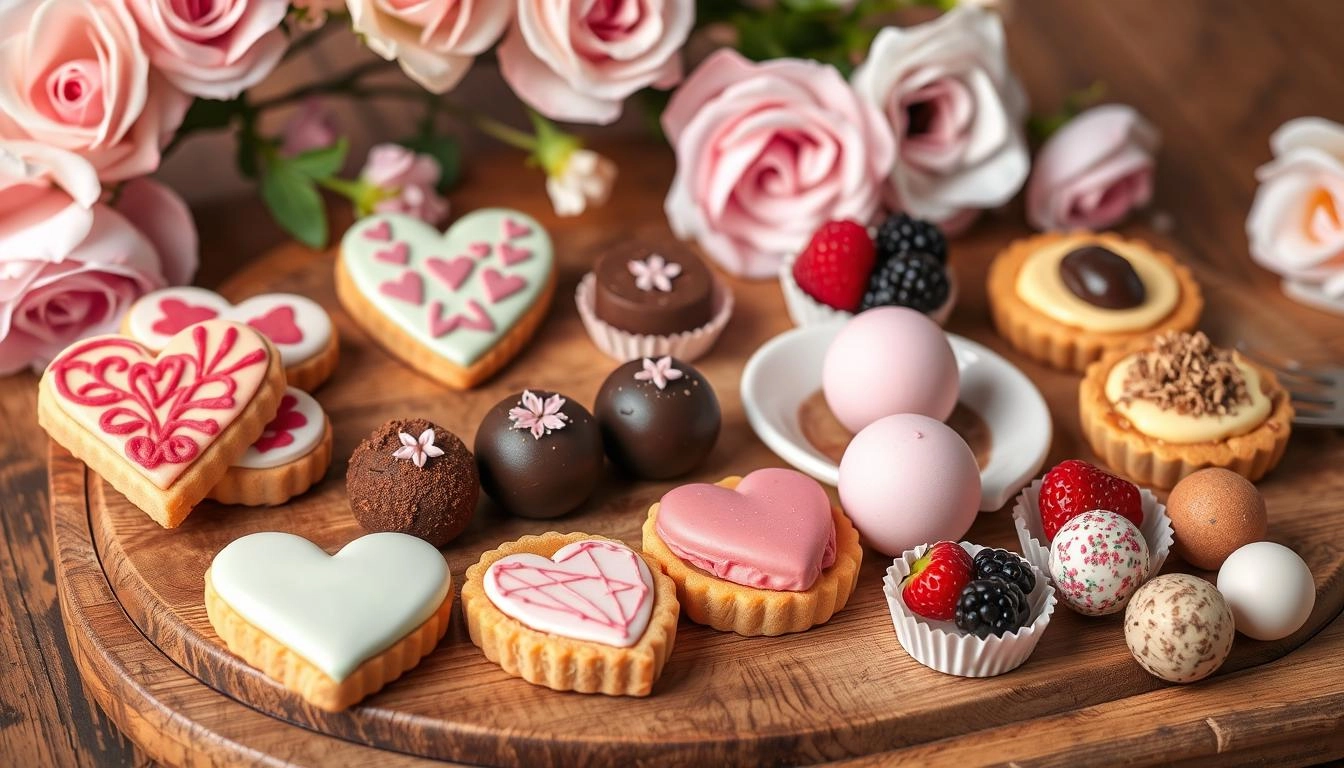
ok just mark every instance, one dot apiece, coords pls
pixel 1095 170
pixel 578 60
pixel 768 152
pixel 1296 224
pixel 46 200
pixel 163 217
pixel 956 110
pixel 73 75
pixel 434 41
pixel 409 181
pixel 215 49
pixel 312 126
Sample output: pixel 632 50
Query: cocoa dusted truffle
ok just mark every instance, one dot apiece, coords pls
pixel 656 289
pixel 659 417
pixel 539 453
pixel 412 476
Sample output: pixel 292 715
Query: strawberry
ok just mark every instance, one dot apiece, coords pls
pixel 936 580
pixel 834 267
pixel 1074 487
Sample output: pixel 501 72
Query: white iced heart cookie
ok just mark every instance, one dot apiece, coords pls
pixel 456 306
pixel 292 454
pixel 315 622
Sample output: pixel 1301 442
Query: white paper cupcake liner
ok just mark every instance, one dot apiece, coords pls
pixel 624 346
pixel 805 310
pixel 1156 529
pixel 940 646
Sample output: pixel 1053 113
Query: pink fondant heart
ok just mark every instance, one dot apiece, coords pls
pixel 279 325
pixel 178 314
pixel 499 287
pixel 451 272
pixel 380 232
pixel 514 230
pixel 774 531
pixel 479 250
pixel 475 320
pixel 408 288
pixel 510 255
pixel 593 590
pixel 399 253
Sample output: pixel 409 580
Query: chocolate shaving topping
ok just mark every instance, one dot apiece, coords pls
pixel 1185 373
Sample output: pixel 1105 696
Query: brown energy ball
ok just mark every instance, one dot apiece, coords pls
pixel 1214 512
pixel 400 480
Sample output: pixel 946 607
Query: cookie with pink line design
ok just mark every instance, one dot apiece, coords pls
pixel 291 456
pixel 572 612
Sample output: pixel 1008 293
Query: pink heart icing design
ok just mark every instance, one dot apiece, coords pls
pixel 479 320
pixel 479 250
pixel 178 314
pixel 514 230
pixel 382 231
pixel 510 255
pixel 408 288
pixel 774 531
pixel 279 432
pixel 499 287
pixel 451 272
pixel 279 325
pixel 399 253
pixel 593 590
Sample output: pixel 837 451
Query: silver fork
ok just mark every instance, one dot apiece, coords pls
pixel 1317 390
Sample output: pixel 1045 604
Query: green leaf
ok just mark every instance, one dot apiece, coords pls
pixel 441 148
pixel 295 204
pixel 320 163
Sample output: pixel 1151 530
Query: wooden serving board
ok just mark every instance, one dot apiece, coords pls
pixel 836 691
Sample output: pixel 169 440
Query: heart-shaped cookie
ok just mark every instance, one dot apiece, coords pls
pixel 593 590
pixel 456 305
pixel 773 531
pixel 298 326
pixel 163 429
pixel 293 453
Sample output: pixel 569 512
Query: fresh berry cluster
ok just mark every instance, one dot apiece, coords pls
pixel 1074 487
pixel 906 265
pixel 983 595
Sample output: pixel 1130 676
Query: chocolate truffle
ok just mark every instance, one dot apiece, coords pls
pixel 654 289
pixel 1101 277
pixel 411 476
pixel 1214 512
pixel 659 417
pixel 539 453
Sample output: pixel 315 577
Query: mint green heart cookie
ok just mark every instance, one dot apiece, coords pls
pixel 457 293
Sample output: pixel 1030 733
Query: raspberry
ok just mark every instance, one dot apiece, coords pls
pixel 912 279
pixel 991 607
pixel 901 233
pixel 834 267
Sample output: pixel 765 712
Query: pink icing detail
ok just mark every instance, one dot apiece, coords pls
pixel 774 531
pixel 397 254
pixel 591 590
pixel 479 250
pixel 279 432
pixel 279 326
pixel 514 230
pixel 510 255
pixel 479 320
pixel 499 287
pixel 659 372
pixel 382 232
pixel 541 417
pixel 451 272
pixel 178 314
pixel 408 288
pixel 145 405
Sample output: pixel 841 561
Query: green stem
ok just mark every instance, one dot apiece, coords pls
pixel 308 40
pixel 350 190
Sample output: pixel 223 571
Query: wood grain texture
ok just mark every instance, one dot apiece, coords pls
pixel 1216 76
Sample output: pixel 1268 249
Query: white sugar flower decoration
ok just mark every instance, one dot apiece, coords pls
pixel 418 449
pixel 541 417
pixel 658 371
pixel 654 272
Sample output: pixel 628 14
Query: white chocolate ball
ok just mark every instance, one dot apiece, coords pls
pixel 1179 628
pixel 1097 561
pixel 1270 589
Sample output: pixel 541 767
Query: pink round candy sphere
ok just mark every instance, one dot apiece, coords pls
pixel 886 361
pixel 907 480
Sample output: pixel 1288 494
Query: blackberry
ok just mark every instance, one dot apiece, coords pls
pixel 991 607
pixel 901 233
pixel 1005 566
pixel 912 279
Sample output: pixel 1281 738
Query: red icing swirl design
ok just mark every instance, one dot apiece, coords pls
pixel 279 431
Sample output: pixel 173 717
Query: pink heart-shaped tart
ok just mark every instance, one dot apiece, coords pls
pixel 593 590
pixel 773 531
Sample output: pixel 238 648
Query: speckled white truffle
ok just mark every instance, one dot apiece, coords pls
pixel 1097 560
pixel 1179 628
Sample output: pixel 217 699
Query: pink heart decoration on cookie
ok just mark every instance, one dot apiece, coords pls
pixel 594 590
pixel 499 287
pixel 451 272
pixel 399 253
pixel 478 320
pixel 773 531
pixel 479 250
pixel 510 255
pixel 279 326
pixel 514 230
pixel 380 232
pixel 176 314
pixel 408 288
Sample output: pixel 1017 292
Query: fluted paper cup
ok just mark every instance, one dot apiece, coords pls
pixel 805 310
pixel 624 346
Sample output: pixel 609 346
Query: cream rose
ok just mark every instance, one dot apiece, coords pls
pixel 434 41
pixel 217 49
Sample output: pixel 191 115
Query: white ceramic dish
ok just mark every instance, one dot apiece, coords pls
pixel 786 370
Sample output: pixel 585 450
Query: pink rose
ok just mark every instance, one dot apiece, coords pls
pixel 409 183
pixel 1095 170
pixel 73 75
pixel 46 200
pixel 765 154
pixel 312 126
pixel 956 111
pixel 578 60
pixel 215 49
pixel 435 41
pixel 165 220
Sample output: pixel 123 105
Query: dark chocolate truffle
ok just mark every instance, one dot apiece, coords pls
pixel 1102 278
pixel 655 289
pixel 659 417
pixel 539 453
pixel 411 484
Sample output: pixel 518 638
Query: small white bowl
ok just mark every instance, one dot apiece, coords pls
pixel 1156 529
pixel 786 370
pixel 941 646
pixel 805 310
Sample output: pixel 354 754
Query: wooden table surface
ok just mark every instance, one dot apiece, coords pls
pixel 1217 76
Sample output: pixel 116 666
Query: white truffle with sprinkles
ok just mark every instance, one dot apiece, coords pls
pixel 1179 628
